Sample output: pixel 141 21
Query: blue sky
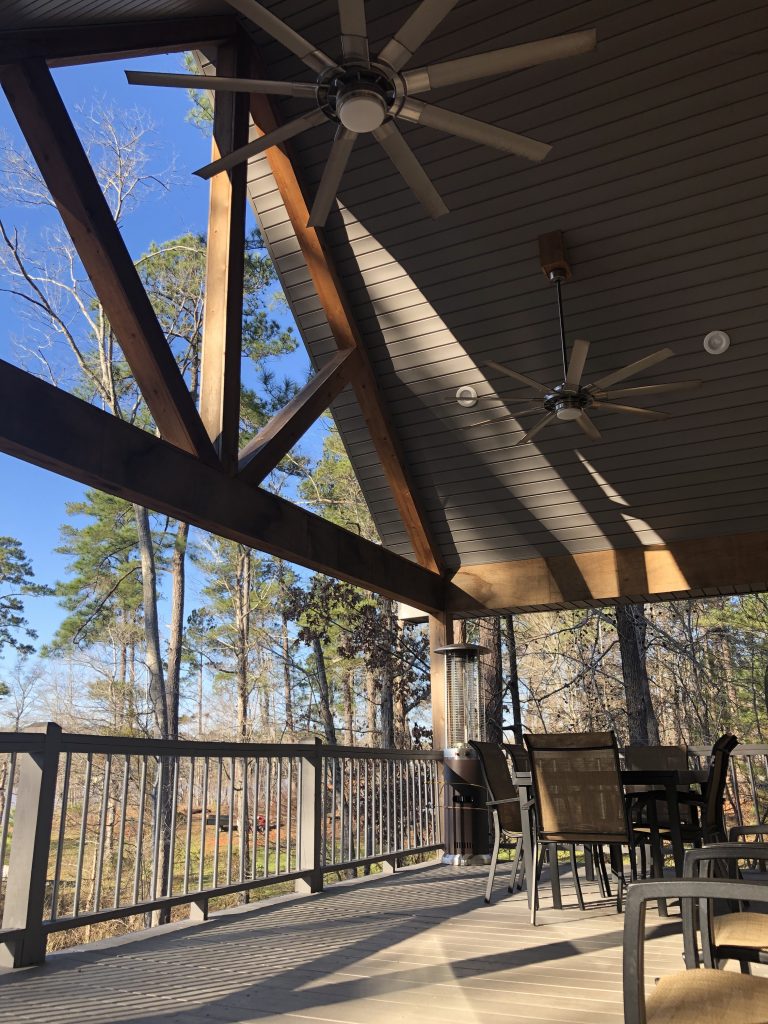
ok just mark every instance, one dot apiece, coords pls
pixel 32 500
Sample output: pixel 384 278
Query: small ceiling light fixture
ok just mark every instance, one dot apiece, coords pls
pixel 717 342
pixel 466 396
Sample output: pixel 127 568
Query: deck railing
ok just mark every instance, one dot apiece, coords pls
pixel 101 827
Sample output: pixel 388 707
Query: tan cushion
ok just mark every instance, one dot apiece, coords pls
pixel 708 997
pixel 745 929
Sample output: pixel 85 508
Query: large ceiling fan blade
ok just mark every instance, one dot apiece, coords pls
pixel 498 62
pixel 653 389
pixel 472 129
pixel 507 416
pixel 215 82
pixel 541 388
pixel 285 131
pixel 633 368
pixel 332 175
pixel 409 38
pixel 588 427
pixel 576 363
pixel 536 428
pixel 404 159
pixel 633 410
pixel 304 50
pixel 354 35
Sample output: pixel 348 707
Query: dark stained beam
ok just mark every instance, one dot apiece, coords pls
pixel 62 161
pixel 336 310
pixel 50 428
pixel 223 313
pixel 725 565
pixel 89 43
pixel 260 456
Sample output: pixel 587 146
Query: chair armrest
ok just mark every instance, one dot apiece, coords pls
pixel 687 890
pixel 747 830
pixel 722 851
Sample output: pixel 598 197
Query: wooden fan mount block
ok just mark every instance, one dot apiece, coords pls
pixel 552 257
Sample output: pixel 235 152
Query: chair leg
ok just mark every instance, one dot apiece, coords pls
pixel 618 867
pixel 589 863
pixel 554 876
pixel 515 865
pixel 745 967
pixel 576 882
pixel 605 881
pixel 495 855
pixel 538 864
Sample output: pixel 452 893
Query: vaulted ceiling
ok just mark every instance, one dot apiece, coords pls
pixel 656 177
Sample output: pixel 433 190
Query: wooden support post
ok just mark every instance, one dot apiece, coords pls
pixel 440 635
pixel 310 810
pixel 223 314
pixel 28 867
pixel 64 165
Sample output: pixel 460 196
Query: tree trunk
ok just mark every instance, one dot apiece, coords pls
pixel 325 693
pixel 151 628
pixel 349 707
pixel 643 726
pixel 387 707
pixel 513 685
pixel 370 707
pixel 243 638
pixel 287 682
pixel 491 683
pixel 175 641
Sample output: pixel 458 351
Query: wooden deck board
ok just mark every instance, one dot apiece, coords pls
pixel 419 947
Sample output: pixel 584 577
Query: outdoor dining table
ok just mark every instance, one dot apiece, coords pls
pixel 651 779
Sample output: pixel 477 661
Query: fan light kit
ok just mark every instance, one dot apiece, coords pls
pixel 571 399
pixel 466 396
pixel 717 342
pixel 364 96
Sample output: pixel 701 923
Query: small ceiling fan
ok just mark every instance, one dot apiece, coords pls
pixel 361 95
pixel 570 399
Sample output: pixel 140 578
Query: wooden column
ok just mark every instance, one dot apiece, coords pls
pixel 310 809
pixel 223 314
pixel 440 634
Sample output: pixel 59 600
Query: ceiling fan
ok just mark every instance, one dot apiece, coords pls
pixel 361 95
pixel 570 399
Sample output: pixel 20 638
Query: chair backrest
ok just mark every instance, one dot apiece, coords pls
pixel 577 783
pixel 518 755
pixel 672 758
pixel 498 781
pixel 713 823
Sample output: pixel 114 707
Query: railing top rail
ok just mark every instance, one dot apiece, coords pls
pixel 82 743
pixel 742 750
pixel 21 742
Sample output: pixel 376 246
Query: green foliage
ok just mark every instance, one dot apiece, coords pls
pixel 16 583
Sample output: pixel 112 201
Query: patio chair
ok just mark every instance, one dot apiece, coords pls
pixel 504 805
pixel 738 935
pixel 696 995
pixel 579 799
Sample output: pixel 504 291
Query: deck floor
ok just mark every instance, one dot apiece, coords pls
pixel 419 946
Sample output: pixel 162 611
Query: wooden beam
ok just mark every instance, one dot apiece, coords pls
pixel 80 44
pixel 344 329
pixel 730 564
pixel 225 263
pixel 49 427
pixel 275 440
pixel 55 145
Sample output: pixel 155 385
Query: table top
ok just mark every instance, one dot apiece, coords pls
pixel 646 776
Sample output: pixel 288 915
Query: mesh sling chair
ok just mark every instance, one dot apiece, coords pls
pixel 579 799
pixel 741 935
pixel 504 805
pixel 696 995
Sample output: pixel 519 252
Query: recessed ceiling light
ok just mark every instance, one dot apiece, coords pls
pixel 466 396
pixel 716 342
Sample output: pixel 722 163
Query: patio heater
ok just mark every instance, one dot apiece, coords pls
pixel 465 814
